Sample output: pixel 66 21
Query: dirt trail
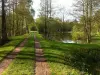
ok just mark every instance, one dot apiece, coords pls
pixel 9 58
pixel 42 67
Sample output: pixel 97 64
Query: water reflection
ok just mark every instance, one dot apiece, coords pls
pixel 68 41
pixel 63 37
pixel 67 38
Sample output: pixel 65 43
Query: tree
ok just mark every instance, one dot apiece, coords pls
pixel 17 15
pixel 4 30
pixel 46 12
pixel 87 8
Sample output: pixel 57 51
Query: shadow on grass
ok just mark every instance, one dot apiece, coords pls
pixel 4 53
pixel 21 55
pixel 85 58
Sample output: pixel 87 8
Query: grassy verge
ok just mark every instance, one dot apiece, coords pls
pixel 7 48
pixel 71 59
pixel 96 39
pixel 23 64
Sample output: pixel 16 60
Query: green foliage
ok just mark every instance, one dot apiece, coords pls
pixel 77 35
pixel 32 27
pixel 77 32
pixel 19 18
pixel 80 30
pixel 96 26
pixel 54 26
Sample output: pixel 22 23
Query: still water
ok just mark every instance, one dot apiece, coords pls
pixel 65 38
pixel 68 41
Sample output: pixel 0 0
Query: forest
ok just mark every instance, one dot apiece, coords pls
pixel 15 18
pixel 50 43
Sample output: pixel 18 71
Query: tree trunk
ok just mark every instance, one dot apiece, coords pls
pixel 4 32
pixel 13 20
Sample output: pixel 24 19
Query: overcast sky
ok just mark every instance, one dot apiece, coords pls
pixel 62 3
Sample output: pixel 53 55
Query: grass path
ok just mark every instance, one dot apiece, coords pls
pixel 42 67
pixel 9 47
pixel 54 58
pixel 23 64
pixel 9 58
pixel 71 59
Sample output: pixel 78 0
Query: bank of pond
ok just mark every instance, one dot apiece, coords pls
pixel 67 57
pixel 67 37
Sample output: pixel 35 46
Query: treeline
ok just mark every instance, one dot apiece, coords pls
pixel 51 26
pixel 86 25
pixel 89 20
pixel 15 18
pixel 55 27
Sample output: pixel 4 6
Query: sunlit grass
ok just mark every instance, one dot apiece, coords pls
pixel 96 39
pixel 71 59
pixel 8 47
pixel 24 63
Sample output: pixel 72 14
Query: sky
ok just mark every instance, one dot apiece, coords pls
pixel 67 4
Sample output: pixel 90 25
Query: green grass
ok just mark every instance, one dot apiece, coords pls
pixel 96 39
pixel 71 59
pixel 8 47
pixel 24 63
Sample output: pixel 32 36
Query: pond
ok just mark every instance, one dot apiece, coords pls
pixel 67 38
pixel 68 41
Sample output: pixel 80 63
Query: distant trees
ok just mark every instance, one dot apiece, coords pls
pixel 16 17
pixel 87 8
pixel 55 28
pixel 46 12
pixel 48 24
pixel 85 27
pixel 96 25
